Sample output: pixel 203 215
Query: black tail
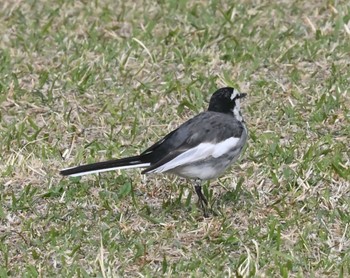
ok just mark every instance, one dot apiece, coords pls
pixel 123 163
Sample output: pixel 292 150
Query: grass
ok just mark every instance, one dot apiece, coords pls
pixel 88 81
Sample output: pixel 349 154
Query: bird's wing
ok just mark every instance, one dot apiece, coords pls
pixel 208 134
pixel 192 155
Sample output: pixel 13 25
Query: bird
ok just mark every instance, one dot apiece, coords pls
pixel 200 149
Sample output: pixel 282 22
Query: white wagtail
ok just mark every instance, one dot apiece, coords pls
pixel 199 149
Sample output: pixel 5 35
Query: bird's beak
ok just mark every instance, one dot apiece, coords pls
pixel 242 95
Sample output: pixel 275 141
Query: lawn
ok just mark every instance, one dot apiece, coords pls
pixel 85 81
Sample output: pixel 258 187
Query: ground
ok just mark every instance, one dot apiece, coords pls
pixel 84 81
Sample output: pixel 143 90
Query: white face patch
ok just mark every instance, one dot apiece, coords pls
pixel 236 110
pixel 234 94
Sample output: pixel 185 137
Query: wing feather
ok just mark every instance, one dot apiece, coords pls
pixel 200 152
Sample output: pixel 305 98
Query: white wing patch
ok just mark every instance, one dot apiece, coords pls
pixel 201 152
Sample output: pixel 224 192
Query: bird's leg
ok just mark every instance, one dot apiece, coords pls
pixel 201 199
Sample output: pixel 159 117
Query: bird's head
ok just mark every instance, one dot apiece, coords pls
pixel 226 100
